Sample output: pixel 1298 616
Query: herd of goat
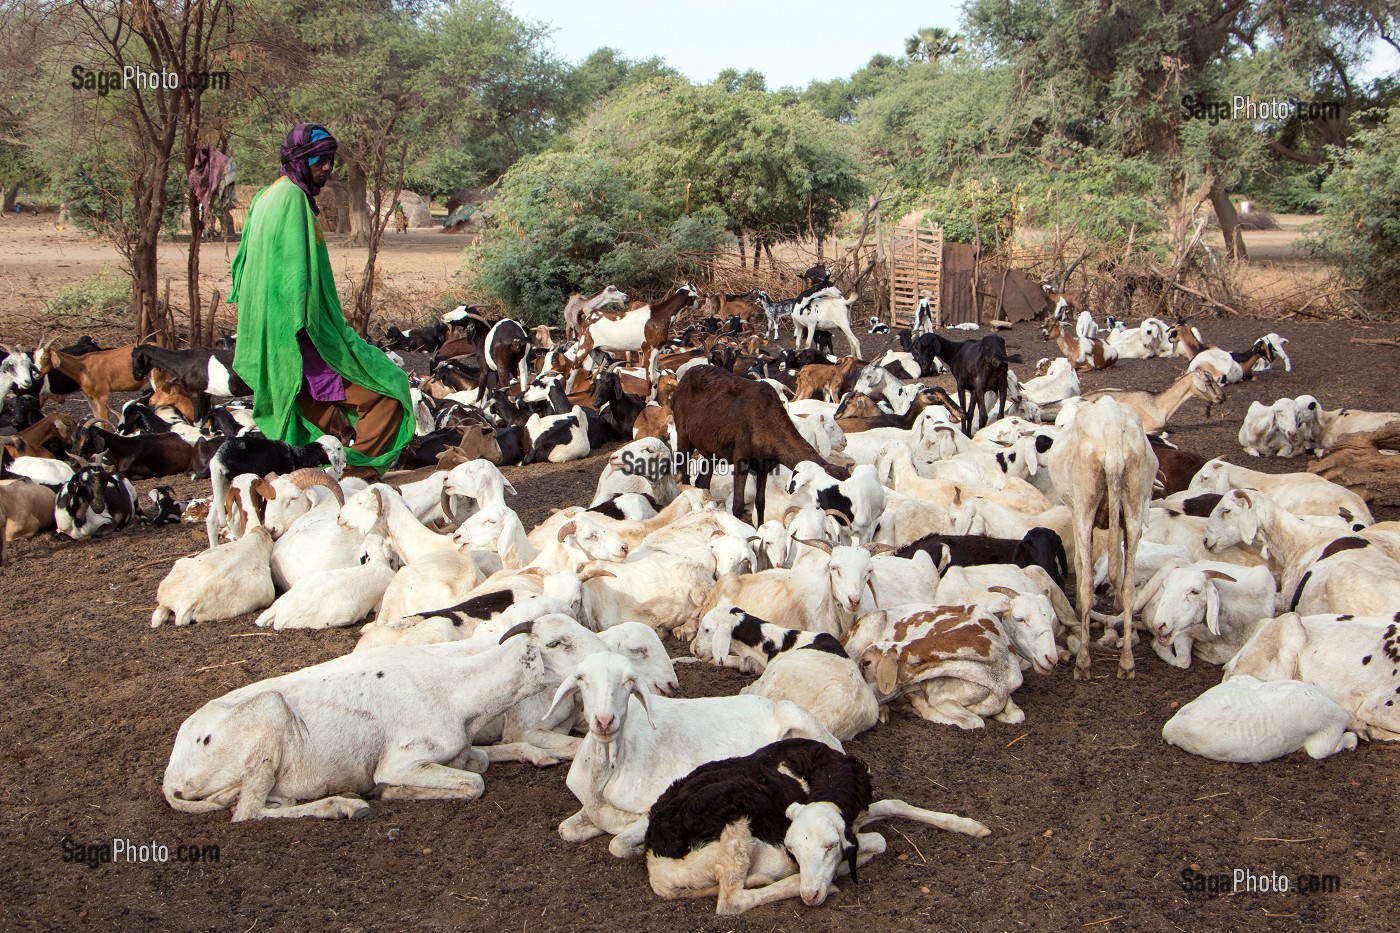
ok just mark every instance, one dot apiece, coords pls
pixel 854 534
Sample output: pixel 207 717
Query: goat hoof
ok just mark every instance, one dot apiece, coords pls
pixel 1081 673
pixel 1126 673
pixel 377 791
pixel 363 813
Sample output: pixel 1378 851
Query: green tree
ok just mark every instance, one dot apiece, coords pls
pixel 575 221
pixel 774 166
pixel 931 44
pixel 1360 229
pixel 840 98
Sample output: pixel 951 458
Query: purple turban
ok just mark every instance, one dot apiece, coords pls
pixel 304 146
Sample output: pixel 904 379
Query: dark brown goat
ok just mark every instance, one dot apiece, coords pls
pixel 743 422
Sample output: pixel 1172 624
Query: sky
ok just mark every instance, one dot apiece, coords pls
pixel 792 43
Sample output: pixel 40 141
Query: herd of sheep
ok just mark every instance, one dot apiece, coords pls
pixel 857 536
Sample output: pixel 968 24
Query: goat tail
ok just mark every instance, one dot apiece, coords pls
pixel 1012 358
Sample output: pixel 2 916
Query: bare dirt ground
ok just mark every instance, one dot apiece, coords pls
pixel 1094 819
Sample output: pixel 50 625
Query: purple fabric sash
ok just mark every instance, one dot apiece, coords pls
pixel 297 148
pixel 324 383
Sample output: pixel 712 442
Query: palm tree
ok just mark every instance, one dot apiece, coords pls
pixel 932 43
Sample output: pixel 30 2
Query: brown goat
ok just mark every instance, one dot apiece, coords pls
pixel 30 441
pixel 742 422
pixel 835 378
pixel 97 374
pixel 26 509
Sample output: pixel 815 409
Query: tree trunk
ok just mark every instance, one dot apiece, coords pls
pixel 192 271
pixel 358 209
pixel 11 196
pixel 1229 221
pixel 1366 464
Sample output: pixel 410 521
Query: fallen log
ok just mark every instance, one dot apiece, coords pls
pixel 1366 463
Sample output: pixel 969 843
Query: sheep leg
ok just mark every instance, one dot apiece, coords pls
pixel 884 809
pixel 746 899
pixel 944 711
pixel 1011 713
pixel 578 828
pixel 1084 582
pixel 533 754
pixel 735 844
pixel 427 780
pixel 327 808
pixel 631 842
pixel 1130 531
pixel 851 338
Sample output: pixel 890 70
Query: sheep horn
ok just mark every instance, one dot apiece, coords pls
pixel 1006 591
pixel 821 545
pixel 567 529
pixel 310 476
pixel 524 628
pixel 788 511
pixel 593 573
pixel 1217 575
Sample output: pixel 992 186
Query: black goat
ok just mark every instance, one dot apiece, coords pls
pixel 259 455
pixel 18 413
pixel 168 508
pixel 755 794
pixel 618 409
pixel 143 456
pixel 1041 547
pixel 424 339
pixel 978 366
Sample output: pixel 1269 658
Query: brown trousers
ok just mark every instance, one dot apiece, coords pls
pixel 377 424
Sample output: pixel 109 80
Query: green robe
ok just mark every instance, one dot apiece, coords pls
pixel 282 283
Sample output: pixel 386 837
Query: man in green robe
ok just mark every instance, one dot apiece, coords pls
pixel 310 373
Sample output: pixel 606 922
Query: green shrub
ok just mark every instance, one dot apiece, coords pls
pixel 1360 228
pixel 567 222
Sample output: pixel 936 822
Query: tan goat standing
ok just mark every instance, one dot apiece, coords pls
pixel 1103 467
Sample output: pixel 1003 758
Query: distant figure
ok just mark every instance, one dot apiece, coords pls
pixel 400 218
pixel 310 373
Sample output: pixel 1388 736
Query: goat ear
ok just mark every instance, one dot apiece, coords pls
pixel 565 691
pixel 1249 520
pixel 508 487
pixel 886 673
pixel 643 695
pixel 723 638
pixel 1212 608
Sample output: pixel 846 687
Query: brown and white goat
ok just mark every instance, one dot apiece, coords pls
pixel 643 329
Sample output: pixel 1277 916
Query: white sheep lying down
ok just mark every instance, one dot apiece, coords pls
pixel 638 743
pixel 809 668
pixel 1245 720
pixel 395 721
pixel 1353 659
